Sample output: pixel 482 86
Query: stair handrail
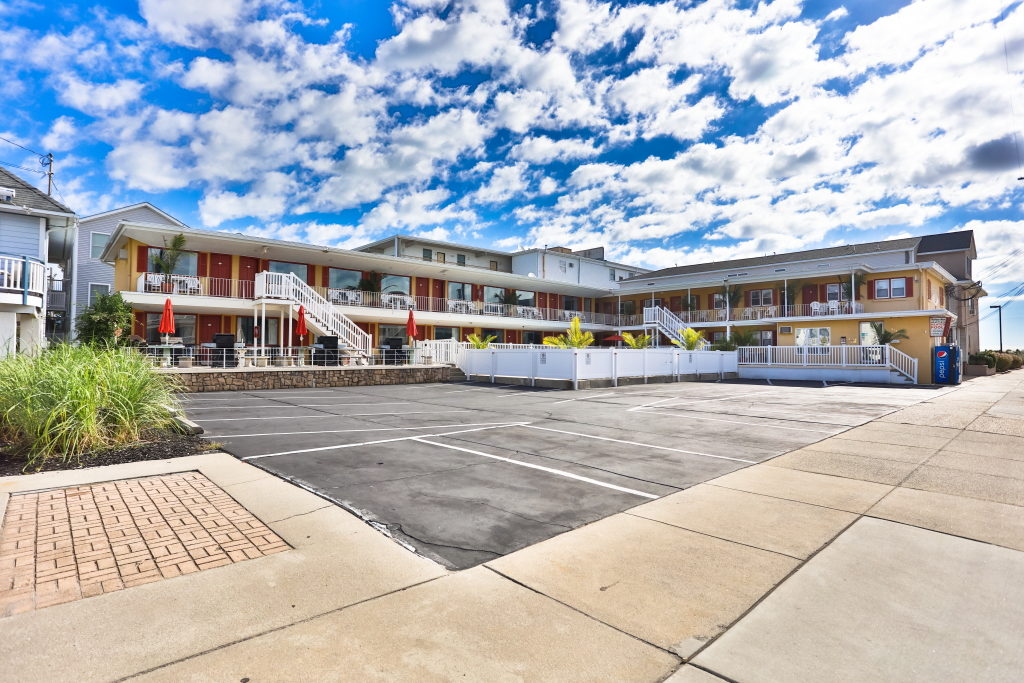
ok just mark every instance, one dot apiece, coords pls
pixel 902 362
pixel 667 322
pixel 290 287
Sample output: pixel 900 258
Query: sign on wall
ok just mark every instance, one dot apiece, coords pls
pixel 937 326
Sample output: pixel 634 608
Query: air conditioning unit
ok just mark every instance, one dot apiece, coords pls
pixel 786 329
pixel 7 194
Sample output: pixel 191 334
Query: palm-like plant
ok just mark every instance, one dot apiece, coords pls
pixel 573 338
pixel 692 339
pixel 743 338
pixel 792 288
pixel 640 341
pixel 858 281
pixel 732 295
pixel 478 342
pixel 884 336
pixel 166 259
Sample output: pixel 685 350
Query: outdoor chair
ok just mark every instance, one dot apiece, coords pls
pixel 816 308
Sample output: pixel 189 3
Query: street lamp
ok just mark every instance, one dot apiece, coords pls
pixel 1000 307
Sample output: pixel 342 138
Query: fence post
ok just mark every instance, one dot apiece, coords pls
pixel 643 356
pixel 575 370
pixel 771 352
pixel 721 363
pixel 842 356
pixel 534 357
pixel 615 367
pixel 494 364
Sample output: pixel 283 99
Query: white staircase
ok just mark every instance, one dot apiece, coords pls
pixel 665 321
pixel 321 315
pixel 901 363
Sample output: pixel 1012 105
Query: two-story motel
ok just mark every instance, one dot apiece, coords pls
pixel 251 286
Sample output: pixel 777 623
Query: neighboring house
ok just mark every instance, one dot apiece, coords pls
pixel 34 229
pixel 90 275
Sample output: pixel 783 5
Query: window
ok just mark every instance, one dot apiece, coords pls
pixel 494 295
pixel 813 336
pixel 296 269
pixel 526 298
pixel 446 333
pixel 494 265
pixel 531 337
pixel 388 334
pixel 894 288
pixel 97 242
pixel 184 327
pixel 428 255
pixel 652 303
pixel 765 337
pixel 339 278
pixel 499 334
pixel 188 264
pixel 571 303
pixel 460 291
pixel 460 259
pixel 719 301
pixel 761 297
pixel 627 308
pixel 396 284
pixel 441 257
pixel 972 305
pixel 611 274
pixel 95 290
pixel 833 292
pixel 563 265
pixel 717 337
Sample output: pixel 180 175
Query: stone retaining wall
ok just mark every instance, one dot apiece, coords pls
pixel 249 379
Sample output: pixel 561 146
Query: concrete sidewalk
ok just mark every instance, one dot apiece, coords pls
pixel 892 551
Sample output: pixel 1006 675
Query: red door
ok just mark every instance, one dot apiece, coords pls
pixel 209 325
pixel 220 275
pixel 422 292
pixel 437 291
pixel 248 266
pixel 810 293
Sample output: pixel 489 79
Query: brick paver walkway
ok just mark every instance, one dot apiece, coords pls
pixel 65 544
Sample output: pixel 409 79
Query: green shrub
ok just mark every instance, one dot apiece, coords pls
pixel 982 358
pixel 108 320
pixel 1003 361
pixel 71 400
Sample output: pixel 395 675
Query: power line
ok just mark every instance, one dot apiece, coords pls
pixel 32 151
pixel 30 170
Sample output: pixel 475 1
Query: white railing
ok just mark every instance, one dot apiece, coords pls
pixel 319 312
pixel 22 274
pixel 402 301
pixel 845 356
pixel 186 356
pixel 194 285
pixel 574 365
pixel 665 322
pixel 720 315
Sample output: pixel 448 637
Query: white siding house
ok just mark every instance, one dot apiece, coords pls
pixel 28 217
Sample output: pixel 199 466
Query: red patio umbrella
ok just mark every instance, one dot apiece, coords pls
pixel 614 338
pixel 300 328
pixel 167 319
pixel 410 327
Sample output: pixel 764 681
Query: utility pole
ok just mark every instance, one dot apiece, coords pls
pixel 47 161
pixel 1000 307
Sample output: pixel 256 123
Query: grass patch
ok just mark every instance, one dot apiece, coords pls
pixel 73 400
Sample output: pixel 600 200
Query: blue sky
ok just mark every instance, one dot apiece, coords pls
pixel 670 132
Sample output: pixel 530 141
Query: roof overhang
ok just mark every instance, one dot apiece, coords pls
pixel 280 250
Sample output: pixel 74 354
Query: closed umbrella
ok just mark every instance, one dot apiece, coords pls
pixel 167 320
pixel 300 328
pixel 410 327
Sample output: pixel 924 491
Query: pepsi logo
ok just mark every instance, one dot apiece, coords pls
pixel 942 354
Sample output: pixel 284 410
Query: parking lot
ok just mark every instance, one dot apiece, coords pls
pixel 464 473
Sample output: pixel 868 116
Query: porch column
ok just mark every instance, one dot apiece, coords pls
pixel 785 295
pixel 263 327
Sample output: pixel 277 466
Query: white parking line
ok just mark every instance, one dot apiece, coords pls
pixel 740 422
pixel 583 398
pixel 345 431
pixel 636 443
pixel 371 443
pixel 699 400
pixel 525 393
pixel 551 470
pixel 311 405
pixel 314 417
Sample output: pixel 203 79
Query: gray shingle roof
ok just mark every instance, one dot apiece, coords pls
pixel 810 254
pixel 28 195
pixel 947 241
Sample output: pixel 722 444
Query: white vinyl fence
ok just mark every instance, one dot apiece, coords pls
pixel 573 365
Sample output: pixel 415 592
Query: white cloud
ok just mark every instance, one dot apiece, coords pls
pixel 542 149
pixel 61 136
pixel 99 98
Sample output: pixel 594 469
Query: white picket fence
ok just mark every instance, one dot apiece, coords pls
pixel 573 365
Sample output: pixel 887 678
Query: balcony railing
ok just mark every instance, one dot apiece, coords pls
pixel 720 315
pixel 57 294
pixel 194 285
pixel 22 274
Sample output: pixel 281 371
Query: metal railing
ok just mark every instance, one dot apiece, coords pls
pixel 665 322
pixel 22 274
pixel 57 294
pixel 185 356
pixel 318 310
pixel 195 285
pixel 721 315
pixel 843 356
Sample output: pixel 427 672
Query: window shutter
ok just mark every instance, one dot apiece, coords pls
pixel 264 265
pixel 311 275
pixel 775 341
pixel 478 292
pixel 822 293
pixel 142 259
pixel 910 286
pixel 201 264
pixel 325 276
pixel 553 301
pixel 871 289
pixel 748 297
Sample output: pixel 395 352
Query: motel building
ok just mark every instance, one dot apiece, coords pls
pixel 801 307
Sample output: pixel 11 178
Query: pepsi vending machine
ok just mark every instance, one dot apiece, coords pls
pixel 946 365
